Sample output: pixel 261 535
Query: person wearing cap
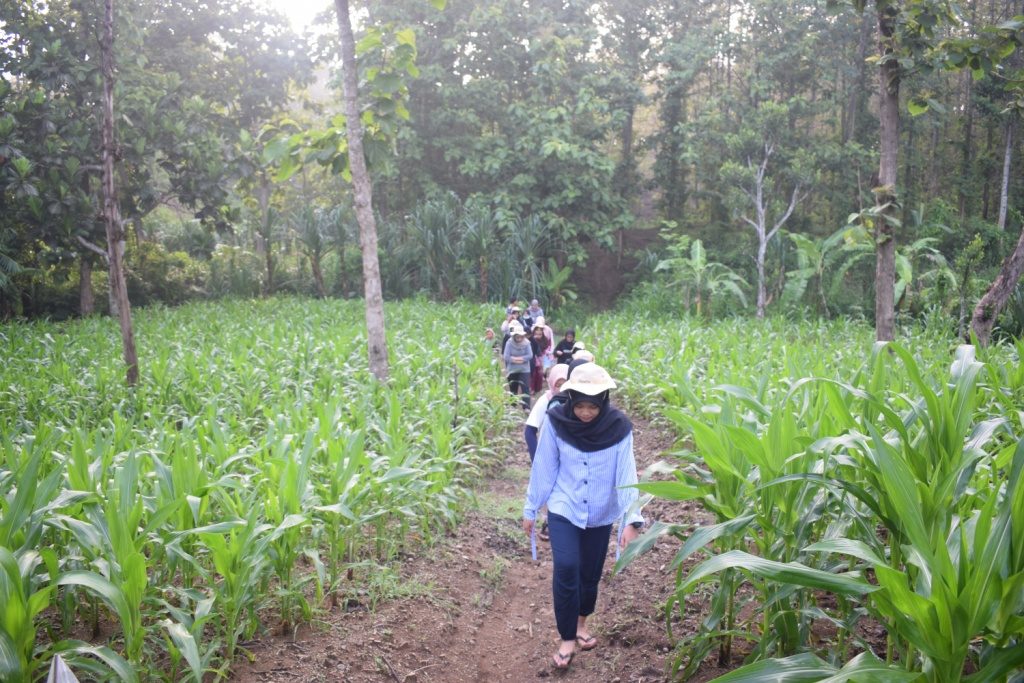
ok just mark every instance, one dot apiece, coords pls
pixel 515 316
pixel 518 355
pixel 583 470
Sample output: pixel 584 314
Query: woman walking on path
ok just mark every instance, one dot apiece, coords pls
pixel 584 458
pixel 518 355
pixel 549 355
pixel 539 345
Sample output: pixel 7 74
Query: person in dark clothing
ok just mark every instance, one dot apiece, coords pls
pixel 563 351
pixel 539 344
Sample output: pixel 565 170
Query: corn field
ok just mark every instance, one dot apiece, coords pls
pixel 257 471
pixel 249 478
pixel 848 482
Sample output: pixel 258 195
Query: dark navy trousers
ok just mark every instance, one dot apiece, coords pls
pixel 579 560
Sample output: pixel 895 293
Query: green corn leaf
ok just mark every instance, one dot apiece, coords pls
pixel 901 491
pixel 110 594
pixel 807 667
pixel 783 572
pixel 11 666
pixel 867 667
pixel 116 662
pixel 398 474
pixel 746 396
pixel 670 490
pixel 845 546
pixel 217 528
pixel 998 664
pixel 802 667
pixel 701 536
pixel 186 643
pixel 338 508
pixel 644 543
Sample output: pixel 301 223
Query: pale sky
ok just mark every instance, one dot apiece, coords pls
pixel 301 12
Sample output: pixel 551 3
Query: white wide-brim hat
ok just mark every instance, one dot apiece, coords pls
pixel 590 379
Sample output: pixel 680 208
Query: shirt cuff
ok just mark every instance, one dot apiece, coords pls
pixel 529 514
pixel 636 517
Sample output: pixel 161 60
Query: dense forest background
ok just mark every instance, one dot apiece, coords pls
pixel 574 151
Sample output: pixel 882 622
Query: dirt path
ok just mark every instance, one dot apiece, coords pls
pixel 476 608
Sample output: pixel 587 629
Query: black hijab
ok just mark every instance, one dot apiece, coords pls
pixel 607 429
pixel 562 397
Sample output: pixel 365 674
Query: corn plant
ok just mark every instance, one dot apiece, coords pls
pixel 802 473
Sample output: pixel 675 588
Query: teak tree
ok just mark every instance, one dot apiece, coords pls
pixel 111 215
pixel 363 193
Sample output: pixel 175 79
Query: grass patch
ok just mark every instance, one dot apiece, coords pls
pixel 377 583
pixel 500 507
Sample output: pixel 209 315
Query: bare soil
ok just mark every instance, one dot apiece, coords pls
pixel 478 608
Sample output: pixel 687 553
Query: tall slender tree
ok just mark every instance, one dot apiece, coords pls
pixel 363 194
pixel 888 168
pixel 111 215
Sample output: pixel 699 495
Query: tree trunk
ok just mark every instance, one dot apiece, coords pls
pixel 111 215
pixel 342 280
pixel 270 270
pixel 318 276
pixel 86 298
pixel 762 249
pixel 988 309
pixel 857 93
pixel 363 193
pixel 986 171
pixel 266 236
pixel 483 279
pixel 1004 191
pixel 889 124
pixel 760 223
pixel 968 142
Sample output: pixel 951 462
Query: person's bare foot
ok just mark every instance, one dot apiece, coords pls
pixel 586 641
pixel 565 653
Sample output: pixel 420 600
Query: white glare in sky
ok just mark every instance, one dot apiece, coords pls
pixel 300 12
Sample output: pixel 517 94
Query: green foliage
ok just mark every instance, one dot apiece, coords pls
pixel 235 272
pixel 256 444
pixel 820 467
pixel 155 275
pixel 702 281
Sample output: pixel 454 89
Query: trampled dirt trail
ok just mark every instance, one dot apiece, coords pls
pixel 481 607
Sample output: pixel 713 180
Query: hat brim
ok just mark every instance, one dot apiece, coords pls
pixel 588 388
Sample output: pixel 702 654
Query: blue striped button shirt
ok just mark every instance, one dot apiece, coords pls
pixel 583 487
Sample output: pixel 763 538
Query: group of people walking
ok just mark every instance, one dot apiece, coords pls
pixel 528 350
pixel 582 466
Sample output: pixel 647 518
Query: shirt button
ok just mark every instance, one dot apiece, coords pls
pixel 584 481
pixel 584 500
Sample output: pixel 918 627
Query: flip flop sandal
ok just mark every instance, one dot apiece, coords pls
pixel 586 642
pixel 562 661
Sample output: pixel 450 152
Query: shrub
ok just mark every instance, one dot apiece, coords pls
pixel 154 274
pixel 235 271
